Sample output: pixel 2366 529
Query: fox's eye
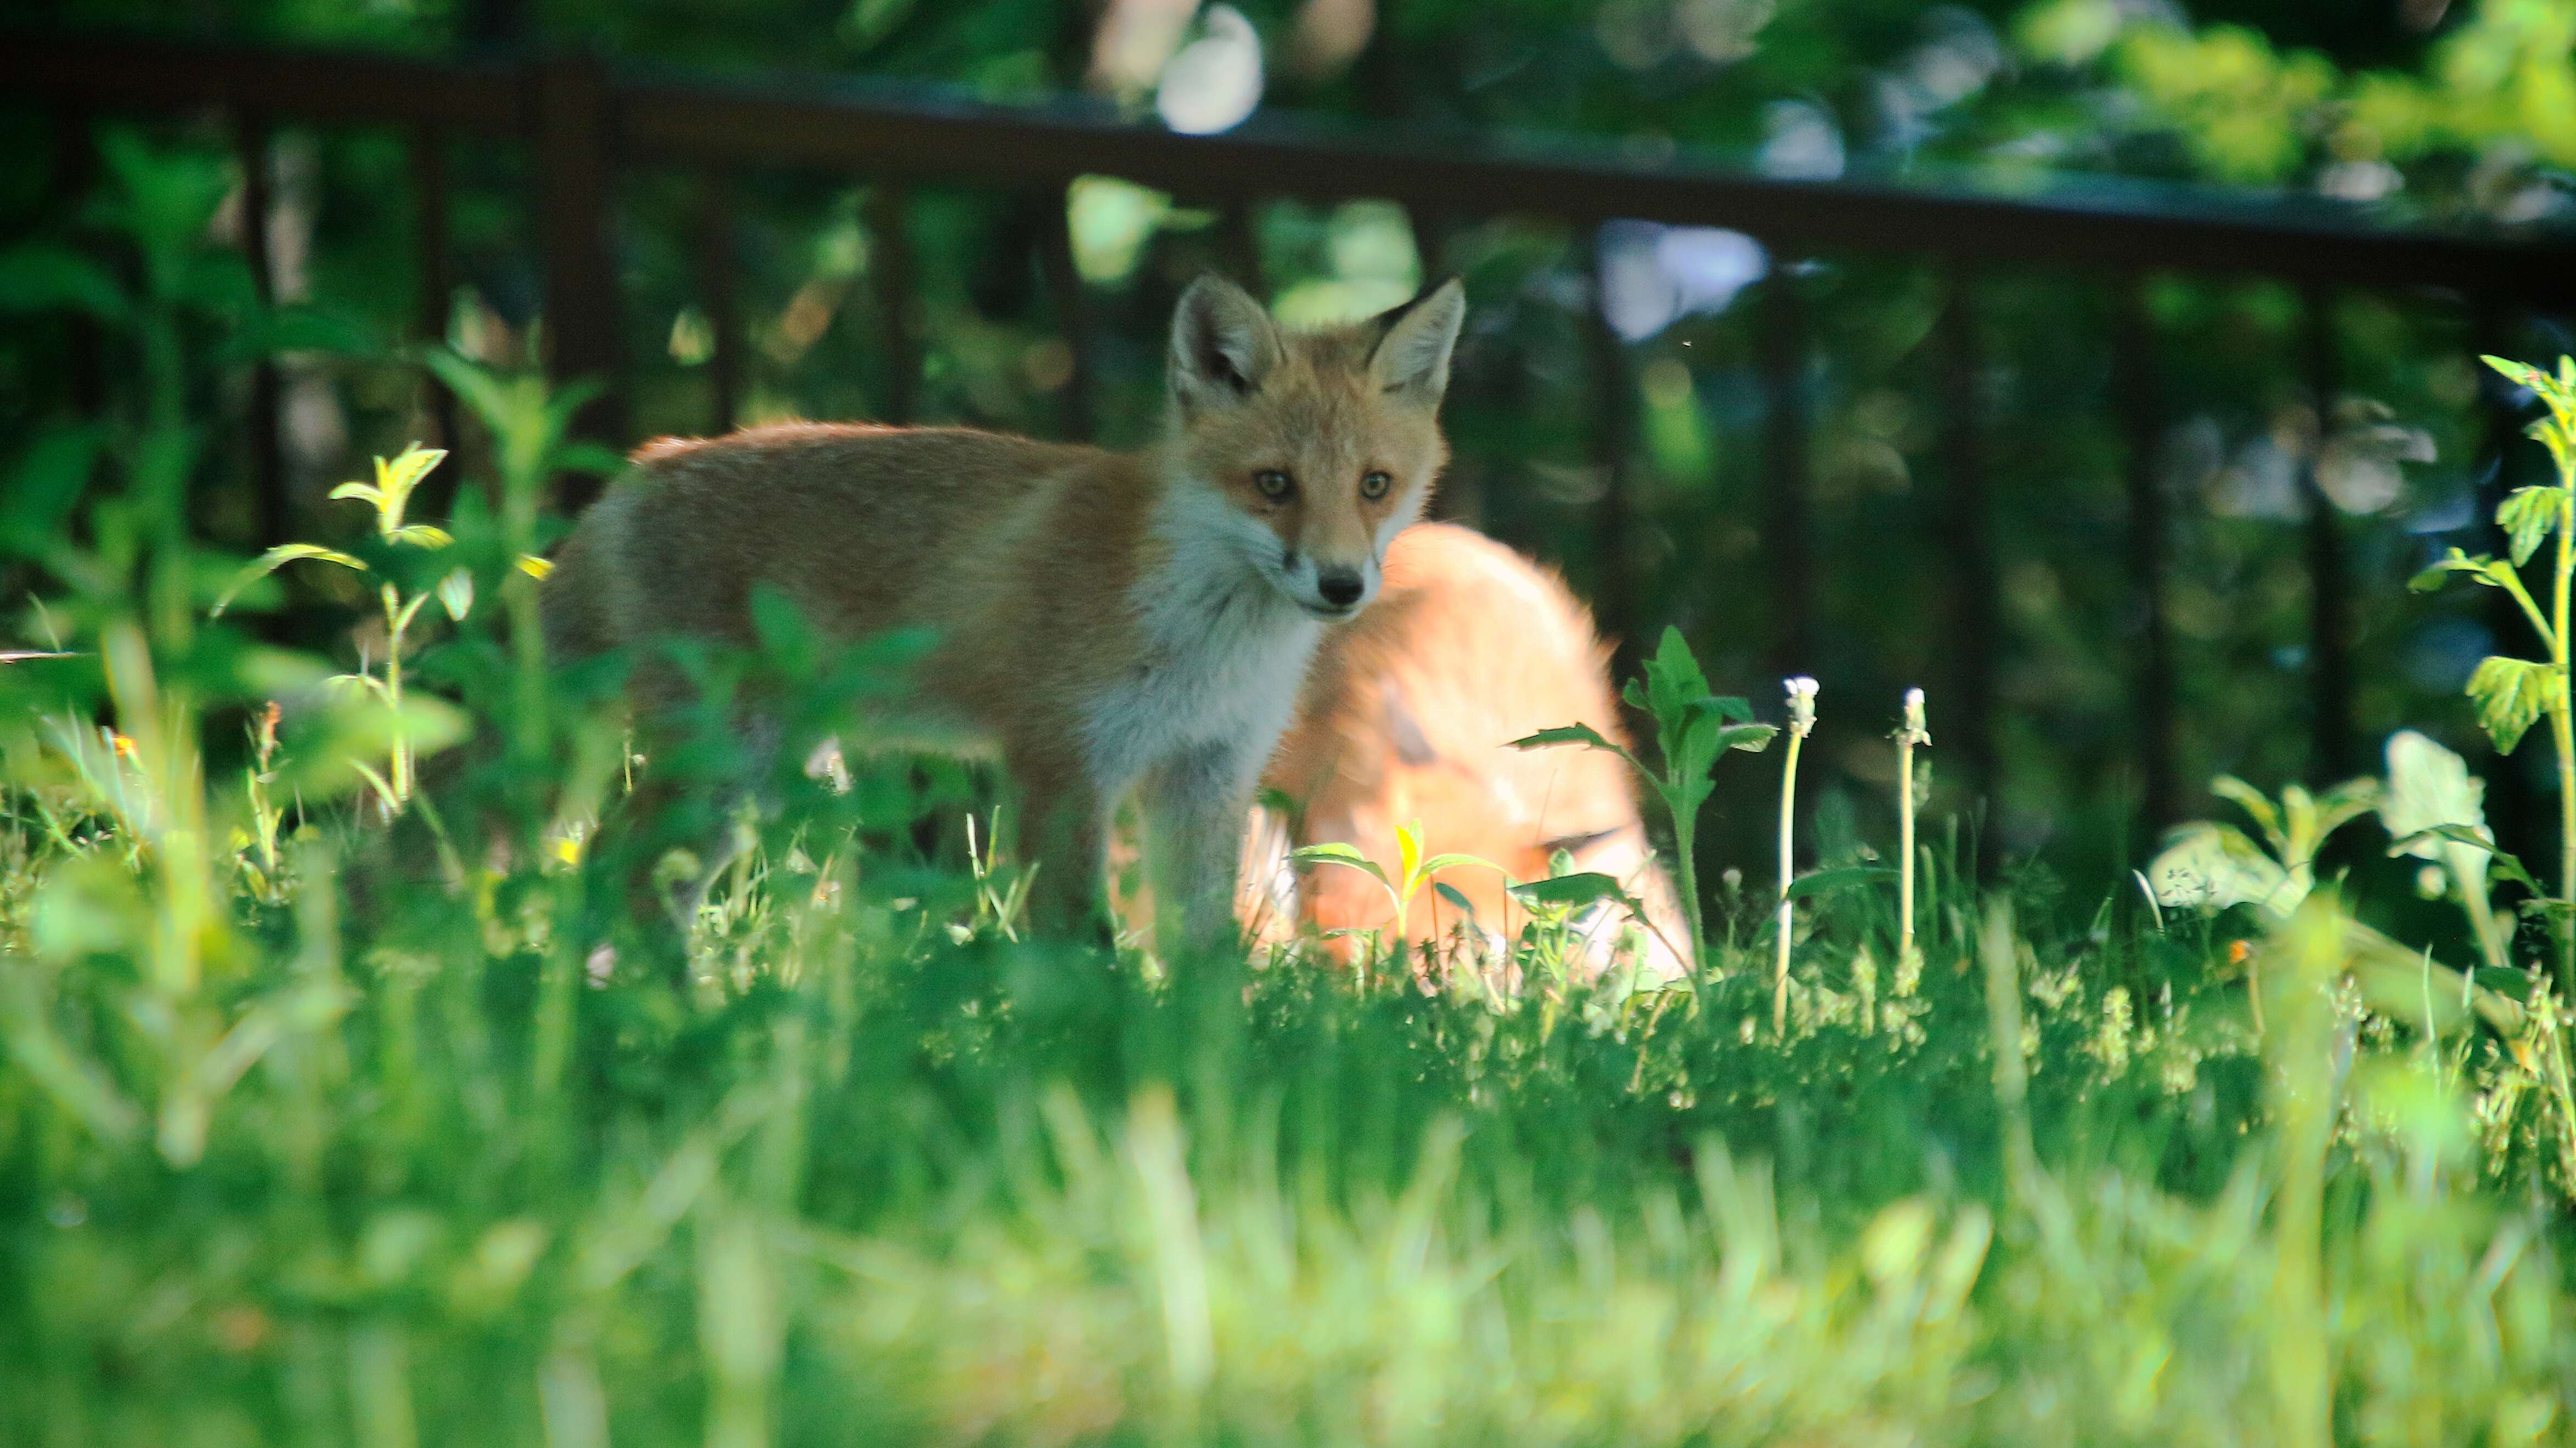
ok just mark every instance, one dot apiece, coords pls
pixel 1373 486
pixel 1274 484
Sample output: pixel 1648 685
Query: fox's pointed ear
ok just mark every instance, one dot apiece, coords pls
pixel 1412 357
pixel 1223 345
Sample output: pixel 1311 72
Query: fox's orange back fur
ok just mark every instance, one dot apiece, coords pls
pixel 1408 714
pixel 1103 620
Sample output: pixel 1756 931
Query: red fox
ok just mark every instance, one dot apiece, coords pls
pixel 1408 714
pixel 1104 621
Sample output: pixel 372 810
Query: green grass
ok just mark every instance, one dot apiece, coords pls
pixel 868 1183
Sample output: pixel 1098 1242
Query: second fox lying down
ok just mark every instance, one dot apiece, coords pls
pixel 1105 621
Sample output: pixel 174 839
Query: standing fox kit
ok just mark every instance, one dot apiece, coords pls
pixel 1103 621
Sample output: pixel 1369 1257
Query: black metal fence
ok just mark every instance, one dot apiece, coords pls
pixel 583 121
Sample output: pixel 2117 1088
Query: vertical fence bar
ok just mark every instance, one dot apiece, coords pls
pixel 2508 805
pixel 1240 245
pixel 437 287
pixel 1078 415
pixel 2151 688
pixel 75 172
pixel 1455 500
pixel 267 391
pixel 581 302
pixel 716 262
pixel 1614 433
pixel 1783 348
pixel 1968 536
pixel 890 269
pixel 2329 656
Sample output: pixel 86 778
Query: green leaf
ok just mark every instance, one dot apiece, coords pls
pixel 483 391
pixel 1573 892
pixel 1826 881
pixel 1438 863
pixel 396 479
pixel 1339 854
pixel 40 278
pixel 456 594
pixel 421 535
pixel 2249 799
pixel 1583 734
pixel 45 485
pixel 2498 862
pixel 282 554
pixel 2528 516
pixel 2511 694
pixel 2215 866
pixel 590 457
pixel 1456 900
pixel 363 492
pixel 1408 855
pixel 1724 706
pixel 1751 738
pixel 2516 372
pixel 535 567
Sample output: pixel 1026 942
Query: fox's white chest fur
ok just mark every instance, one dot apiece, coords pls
pixel 1224 650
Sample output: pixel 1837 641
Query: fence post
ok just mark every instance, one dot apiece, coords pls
pixel 2133 372
pixel 1969 536
pixel 267 391
pixel 1783 354
pixel 582 336
pixel 428 163
pixel 2329 657
pixel 1614 436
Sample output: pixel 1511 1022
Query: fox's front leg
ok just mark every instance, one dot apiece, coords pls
pixel 1195 807
pixel 1063 831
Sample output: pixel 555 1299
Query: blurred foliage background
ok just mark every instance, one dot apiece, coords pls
pixel 2421 111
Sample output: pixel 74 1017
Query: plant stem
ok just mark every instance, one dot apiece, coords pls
pixel 1912 734
pixel 2562 728
pixel 1802 721
pixel 1689 883
pixel 393 692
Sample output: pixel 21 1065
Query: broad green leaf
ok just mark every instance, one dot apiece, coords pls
pixel 1339 854
pixel 2511 694
pixel 1456 900
pixel 1583 734
pixel 1438 863
pixel 2498 862
pixel 2489 571
pixel 2340 806
pixel 1751 738
pixel 421 535
pixel 2215 866
pixel 2528 516
pixel 1573 892
pixel 284 553
pixel 590 457
pixel 396 479
pixel 40 278
pixel 1824 882
pixel 483 391
pixel 2249 799
pixel 2430 789
pixel 44 488
pixel 2519 373
pixel 456 594
pixel 1725 706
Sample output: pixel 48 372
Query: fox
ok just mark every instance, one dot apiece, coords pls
pixel 1408 715
pixel 1104 623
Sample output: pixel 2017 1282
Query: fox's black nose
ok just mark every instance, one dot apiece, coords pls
pixel 1341 590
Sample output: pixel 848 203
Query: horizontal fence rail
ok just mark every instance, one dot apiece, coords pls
pixel 583 119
